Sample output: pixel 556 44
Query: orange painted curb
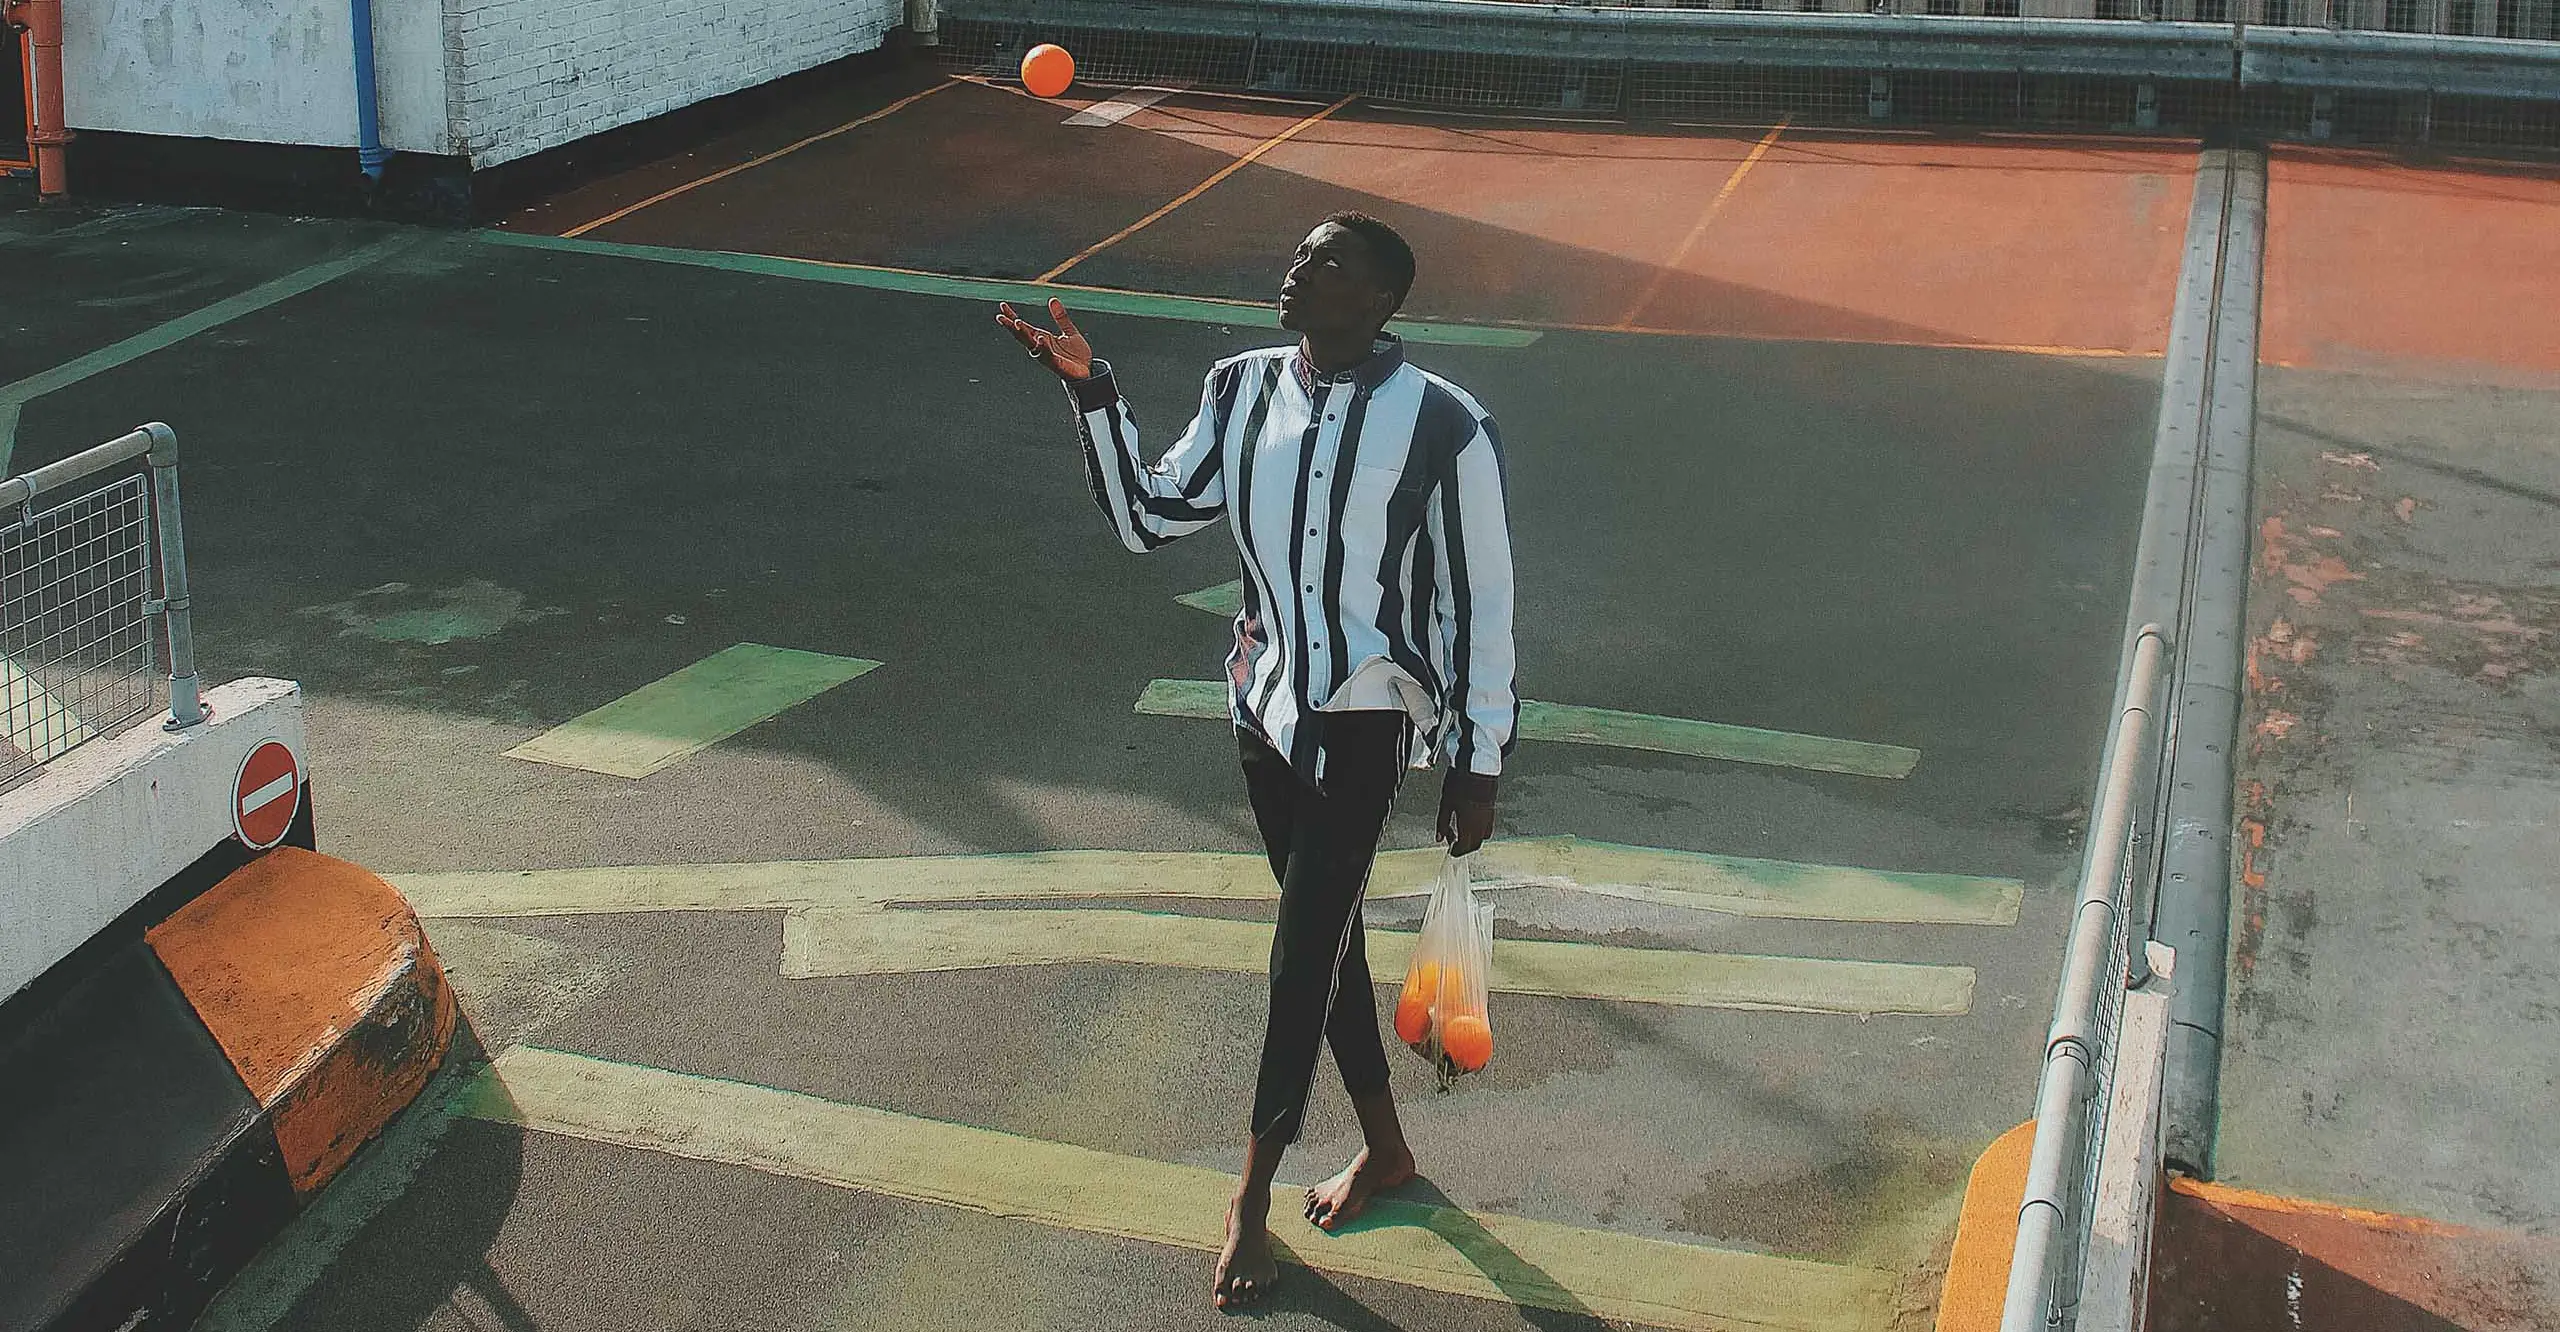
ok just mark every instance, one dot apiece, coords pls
pixel 317 981
pixel 1986 1235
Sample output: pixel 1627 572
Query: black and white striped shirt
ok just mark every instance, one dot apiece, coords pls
pixel 1368 508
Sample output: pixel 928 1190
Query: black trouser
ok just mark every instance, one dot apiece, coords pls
pixel 1322 841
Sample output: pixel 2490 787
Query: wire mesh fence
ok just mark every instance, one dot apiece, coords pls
pixel 76 632
pixel 2481 74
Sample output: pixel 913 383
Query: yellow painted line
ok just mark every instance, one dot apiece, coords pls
pixel 830 941
pixel 1735 885
pixel 691 710
pixel 1196 191
pixel 41 726
pixel 1977 1281
pixel 1488 1256
pixel 2225 1195
pixel 1570 723
pixel 1662 272
pixel 723 174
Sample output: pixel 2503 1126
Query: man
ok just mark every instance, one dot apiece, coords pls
pixel 1366 499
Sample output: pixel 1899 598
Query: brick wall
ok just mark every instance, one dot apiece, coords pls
pixel 526 75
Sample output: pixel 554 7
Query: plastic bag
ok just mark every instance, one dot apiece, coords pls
pixel 1442 1012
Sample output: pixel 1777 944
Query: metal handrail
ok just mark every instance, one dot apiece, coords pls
pixel 2071 1048
pixel 157 445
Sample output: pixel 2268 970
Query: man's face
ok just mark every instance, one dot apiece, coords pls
pixel 1333 286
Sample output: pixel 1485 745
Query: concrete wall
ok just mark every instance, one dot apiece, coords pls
pixel 260 71
pixel 493 80
pixel 109 822
pixel 535 74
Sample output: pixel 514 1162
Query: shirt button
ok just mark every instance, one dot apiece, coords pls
pixel 1311 531
pixel 1319 476
pixel 1311 587
pixel 1331 417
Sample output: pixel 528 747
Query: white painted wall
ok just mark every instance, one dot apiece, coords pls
pixel 259 71
pixel 109 822
pixel 534 74
pixel 493 80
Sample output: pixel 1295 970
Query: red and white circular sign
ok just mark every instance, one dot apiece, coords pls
pixel 267 796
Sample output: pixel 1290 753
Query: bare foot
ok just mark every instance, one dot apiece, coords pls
pixel 1246 1269
pixel 1334 1202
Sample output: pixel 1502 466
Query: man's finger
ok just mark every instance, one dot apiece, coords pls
pixel 1058 313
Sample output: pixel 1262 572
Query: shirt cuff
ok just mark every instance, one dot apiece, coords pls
pixel 1095 392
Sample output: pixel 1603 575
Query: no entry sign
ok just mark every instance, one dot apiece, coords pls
pixel 268 795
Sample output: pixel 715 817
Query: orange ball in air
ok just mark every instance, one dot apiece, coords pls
pixel 1467 1040
pixel 1047 70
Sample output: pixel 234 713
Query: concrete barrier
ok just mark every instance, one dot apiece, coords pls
pixel 198 1035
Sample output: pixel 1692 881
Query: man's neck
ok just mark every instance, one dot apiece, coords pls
pixel 1332 356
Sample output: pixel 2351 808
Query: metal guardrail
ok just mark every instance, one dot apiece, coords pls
pixel 2070 1099
pixel 81 584
pixel 2163 64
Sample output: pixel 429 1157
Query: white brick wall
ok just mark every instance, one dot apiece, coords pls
pixel 526 75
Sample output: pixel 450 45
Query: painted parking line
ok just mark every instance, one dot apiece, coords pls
pixel 696 707
pixel 1253 155
pixel 1092 300
pixel 1120 108
pixel 174 331
pixel 1225 599
pixel 1732 885
pixel 785 151
pixel 831 941
pixel 1488 1256
pixel 1662 273
pixel 1574 724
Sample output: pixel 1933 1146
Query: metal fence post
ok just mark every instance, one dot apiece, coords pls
pixel 186 693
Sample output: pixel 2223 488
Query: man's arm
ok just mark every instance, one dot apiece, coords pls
pixel 1183 491
pixel 1470 530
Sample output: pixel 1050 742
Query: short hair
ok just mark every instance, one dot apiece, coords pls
pixel 1394 257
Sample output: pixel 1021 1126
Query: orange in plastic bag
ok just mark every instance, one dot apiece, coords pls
pixel 1442 1013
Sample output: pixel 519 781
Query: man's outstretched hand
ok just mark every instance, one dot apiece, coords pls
pixel 1064 351
pixel 1466 811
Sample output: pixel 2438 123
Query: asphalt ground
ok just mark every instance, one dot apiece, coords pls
pixel 470 490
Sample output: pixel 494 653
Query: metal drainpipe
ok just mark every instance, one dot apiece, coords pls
pixel 43 21
pixel 370 154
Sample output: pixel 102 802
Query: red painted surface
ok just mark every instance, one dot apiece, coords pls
pixel 2446 273
pixel 2227 1260
pixel 2029 244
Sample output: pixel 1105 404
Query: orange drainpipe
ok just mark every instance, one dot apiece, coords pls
pixel 45 134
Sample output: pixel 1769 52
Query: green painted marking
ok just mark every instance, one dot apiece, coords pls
pixel 1226 599
pixel 825 941
pixel 691 710
pixel 271 292
pixel 1142 304
pixel 1570 724
pixel 295 1260
pixel 1740 744
pixel 1205 700
pixel 1735 885
pixel 1489 1256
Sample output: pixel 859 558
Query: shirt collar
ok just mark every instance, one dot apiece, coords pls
pixel 1386 356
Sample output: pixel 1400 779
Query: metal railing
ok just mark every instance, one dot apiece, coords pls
pixel 2482 73
pixel 2071 1099
pixel 81 584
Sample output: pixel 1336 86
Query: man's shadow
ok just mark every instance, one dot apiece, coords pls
pixel 1543 1301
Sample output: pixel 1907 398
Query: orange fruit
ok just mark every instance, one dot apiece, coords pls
pixel 1413 1019
pixel 1467 1040
pixel 1047 70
